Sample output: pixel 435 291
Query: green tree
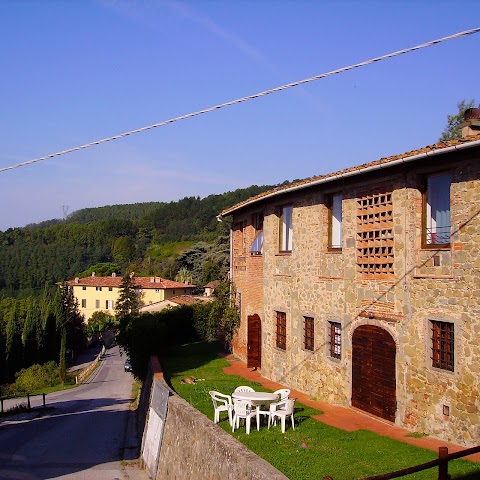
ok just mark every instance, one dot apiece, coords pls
pixel 452 130
pixel 101 270
pixel 123 250
pixel 72 320
pixel 63 356
pixel 30 336
pixel 128 302
pixel 99 322
pixel 13 347
pixel 218 319
pixel 183 276
pixel 2 350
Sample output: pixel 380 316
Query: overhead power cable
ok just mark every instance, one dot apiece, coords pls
pixel 245 99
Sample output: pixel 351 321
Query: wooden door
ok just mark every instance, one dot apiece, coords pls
pixel 254 341
pixel 373 371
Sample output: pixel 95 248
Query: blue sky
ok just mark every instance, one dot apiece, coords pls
pixel 75 71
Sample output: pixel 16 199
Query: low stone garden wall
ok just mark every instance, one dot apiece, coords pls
pixel 192 446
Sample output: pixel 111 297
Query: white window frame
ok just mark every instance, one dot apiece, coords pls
pixel 335 240
pixel 286 229
pixel 437 209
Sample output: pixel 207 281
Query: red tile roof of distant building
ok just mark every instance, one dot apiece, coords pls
pixel 140 282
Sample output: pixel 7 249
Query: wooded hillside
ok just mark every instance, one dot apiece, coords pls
pixel 135 237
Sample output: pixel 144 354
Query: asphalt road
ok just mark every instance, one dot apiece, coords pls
pixel 85 433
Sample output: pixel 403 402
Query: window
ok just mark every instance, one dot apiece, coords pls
pixel 335 222
pixel 157 290
pixel 257 245
pixel 375 255
pixel 110 289
pixel 335 339
pixel 437 209
pixel 281 332
pixel 109 304
pixel 98 289
pixel 84 303
pixel 309 333
pixel 84 288
pixel 286 229
pixel 97 303
pixel 239 247
pixel 443 345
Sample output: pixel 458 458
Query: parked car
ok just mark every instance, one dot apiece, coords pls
pixel 128 365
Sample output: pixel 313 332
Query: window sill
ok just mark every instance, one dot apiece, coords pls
pixel 440 277
pixel 284 254
pixel 439 246
pixel 442 371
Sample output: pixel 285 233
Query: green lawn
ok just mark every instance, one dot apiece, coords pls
pixel 329 451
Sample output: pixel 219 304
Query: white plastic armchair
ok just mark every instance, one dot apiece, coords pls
pixel 282 410
pixel 243 388
pixel 221 403
pixel 243 409
pixel 283 393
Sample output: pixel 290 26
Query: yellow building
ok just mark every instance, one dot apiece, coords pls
pixel 101 293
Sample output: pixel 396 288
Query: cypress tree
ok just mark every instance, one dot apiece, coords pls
pixel 13 347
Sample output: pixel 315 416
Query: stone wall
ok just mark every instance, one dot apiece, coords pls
pixel 440 284
pixel 193 447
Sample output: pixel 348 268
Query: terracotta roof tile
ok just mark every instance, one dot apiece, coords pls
pixel 140 282
pixel 351 170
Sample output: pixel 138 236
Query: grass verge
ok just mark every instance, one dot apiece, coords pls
pixel 313 449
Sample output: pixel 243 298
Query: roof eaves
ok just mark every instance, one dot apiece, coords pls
pixel 376 165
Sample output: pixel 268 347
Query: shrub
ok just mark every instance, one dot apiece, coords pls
pixel 37 377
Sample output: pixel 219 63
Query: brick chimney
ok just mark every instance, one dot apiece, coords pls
pixel 471 122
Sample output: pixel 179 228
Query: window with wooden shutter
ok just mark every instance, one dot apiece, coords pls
pixel 309 333
pixel 375 258
pixel 443 343
pixel 281 330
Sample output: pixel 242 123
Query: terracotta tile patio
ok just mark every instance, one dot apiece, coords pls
pixel 349 419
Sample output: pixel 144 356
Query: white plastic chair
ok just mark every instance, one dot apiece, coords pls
pixel 243 388
pixel 283 393
pixel 221 403
pixel 242 409
pixel 282 410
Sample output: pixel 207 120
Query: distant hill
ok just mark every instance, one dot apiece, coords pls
pixel 133 211
pixel 45 253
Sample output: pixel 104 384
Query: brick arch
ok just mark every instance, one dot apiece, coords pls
pixel 373 371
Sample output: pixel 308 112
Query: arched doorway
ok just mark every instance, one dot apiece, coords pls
pixel 254 341
pixel 373 371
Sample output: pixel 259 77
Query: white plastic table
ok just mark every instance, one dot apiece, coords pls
pixel 257 399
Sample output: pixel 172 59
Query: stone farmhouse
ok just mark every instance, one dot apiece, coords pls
pixel 100 293
pixel 362 287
